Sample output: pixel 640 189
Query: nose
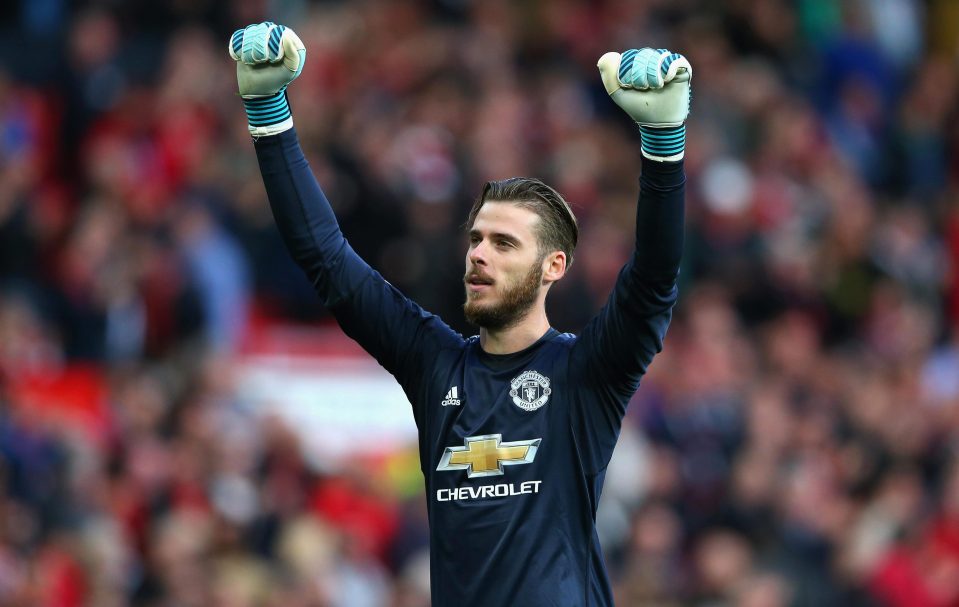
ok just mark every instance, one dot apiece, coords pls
pixel 477 253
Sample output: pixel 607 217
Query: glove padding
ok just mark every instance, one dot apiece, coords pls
pixel 653 87
pixel 268 57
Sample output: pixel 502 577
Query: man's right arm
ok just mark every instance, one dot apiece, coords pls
pixel 370 310
pixel 307 222
pixel 396 331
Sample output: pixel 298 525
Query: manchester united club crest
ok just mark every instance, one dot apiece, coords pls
pixel 530 390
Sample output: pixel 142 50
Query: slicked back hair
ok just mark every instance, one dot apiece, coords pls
pixel 557 230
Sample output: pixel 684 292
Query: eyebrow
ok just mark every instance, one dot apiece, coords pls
pixel 497 236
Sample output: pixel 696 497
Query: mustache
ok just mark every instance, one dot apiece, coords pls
pixel 477 275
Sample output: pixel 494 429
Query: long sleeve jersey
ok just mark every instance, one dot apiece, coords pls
pixel 513 448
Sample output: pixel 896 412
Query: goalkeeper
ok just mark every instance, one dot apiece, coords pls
pixel 516 425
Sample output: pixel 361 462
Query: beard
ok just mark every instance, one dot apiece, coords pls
pixel 516 301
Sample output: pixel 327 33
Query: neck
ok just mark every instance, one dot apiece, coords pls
pixel 517 336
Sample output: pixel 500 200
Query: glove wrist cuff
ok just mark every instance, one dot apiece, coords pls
pixel 268 115
pixel 663 144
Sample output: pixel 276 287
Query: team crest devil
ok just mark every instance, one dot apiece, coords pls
pixel 530 390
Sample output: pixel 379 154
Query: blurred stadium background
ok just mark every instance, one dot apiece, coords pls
pixel 182 425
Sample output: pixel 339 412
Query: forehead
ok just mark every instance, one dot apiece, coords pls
pixel 506 217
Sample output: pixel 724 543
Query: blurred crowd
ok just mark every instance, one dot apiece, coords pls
pixel 796 443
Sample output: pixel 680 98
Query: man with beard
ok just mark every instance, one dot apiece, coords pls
pixel 516 425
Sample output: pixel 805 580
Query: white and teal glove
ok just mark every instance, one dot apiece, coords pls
pixel 268 57
pixel 653 87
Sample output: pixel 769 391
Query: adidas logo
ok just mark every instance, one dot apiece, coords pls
pixel 452 398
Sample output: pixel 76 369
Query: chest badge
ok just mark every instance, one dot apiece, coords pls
pixel 530 390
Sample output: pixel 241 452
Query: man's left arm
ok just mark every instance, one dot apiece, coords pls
pixel 622 339
pixel 617 346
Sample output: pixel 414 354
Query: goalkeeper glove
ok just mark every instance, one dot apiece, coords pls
pixel 652 86
pixel 268 57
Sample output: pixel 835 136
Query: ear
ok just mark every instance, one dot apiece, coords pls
pixel 554 266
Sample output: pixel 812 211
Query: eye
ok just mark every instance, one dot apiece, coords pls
pixel 504 244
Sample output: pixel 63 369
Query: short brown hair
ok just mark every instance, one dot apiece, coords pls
pixel 558 229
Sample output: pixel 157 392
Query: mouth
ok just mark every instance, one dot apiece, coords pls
pixel 476 282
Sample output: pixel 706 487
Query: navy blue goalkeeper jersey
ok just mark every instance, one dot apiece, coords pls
pixel 514 447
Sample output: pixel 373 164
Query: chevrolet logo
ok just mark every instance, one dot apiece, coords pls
pixel 487 454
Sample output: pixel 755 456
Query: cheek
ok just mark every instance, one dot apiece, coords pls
pixel 513 275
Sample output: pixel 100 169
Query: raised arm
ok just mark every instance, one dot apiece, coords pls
pixel 617 346
pixel 396 331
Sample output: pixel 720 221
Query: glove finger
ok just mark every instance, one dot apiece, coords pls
pixel 248 44
pixel 236 44
pixel 676 65
pixel 293 52
pixel 626 66
pixel 255 43
pixel 651 63
pixel 275 49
